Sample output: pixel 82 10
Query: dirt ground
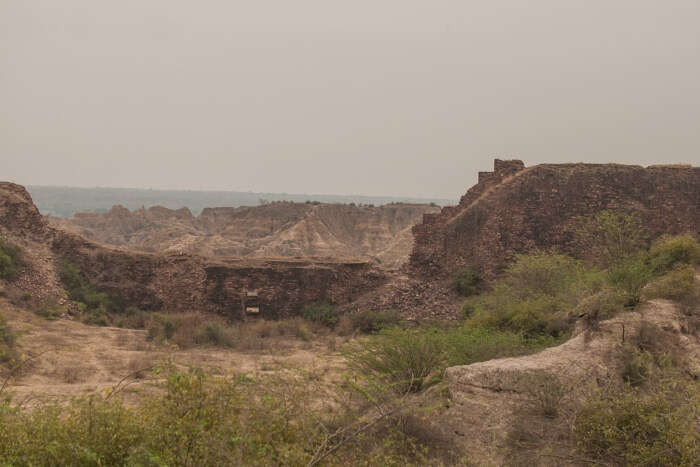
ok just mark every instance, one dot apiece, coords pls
pixel 68 358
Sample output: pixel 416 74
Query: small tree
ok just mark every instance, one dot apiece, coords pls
pixel 630 276
pixel 608 237
pixel 668 251
pixel 542 273
pixel 401 359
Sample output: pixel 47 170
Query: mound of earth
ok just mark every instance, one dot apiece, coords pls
pixel 492 399
pixel 279 229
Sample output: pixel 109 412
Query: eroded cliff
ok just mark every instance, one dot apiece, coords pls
pixel 281 229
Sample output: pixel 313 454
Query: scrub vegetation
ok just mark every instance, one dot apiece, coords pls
pixel 10 260
pixel 382 412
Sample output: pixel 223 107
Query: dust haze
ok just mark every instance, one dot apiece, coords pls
pixel 382 97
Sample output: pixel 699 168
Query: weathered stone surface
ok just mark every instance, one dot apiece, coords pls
pixel 17 211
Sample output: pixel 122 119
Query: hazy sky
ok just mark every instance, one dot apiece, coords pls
pixel 392 97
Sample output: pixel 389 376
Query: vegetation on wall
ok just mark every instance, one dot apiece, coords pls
pixel 608 236
pixel 467 280
pixel 10 260
pixel 96 306
pixel 322 313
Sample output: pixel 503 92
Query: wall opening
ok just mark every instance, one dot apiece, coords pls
pixel 251 303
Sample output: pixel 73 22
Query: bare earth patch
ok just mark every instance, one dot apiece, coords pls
pixel 69 358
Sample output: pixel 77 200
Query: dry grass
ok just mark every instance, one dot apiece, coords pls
pixel 141 365
pixel 546 393
pixel 73 374
pixel 345 326
pixel 188 330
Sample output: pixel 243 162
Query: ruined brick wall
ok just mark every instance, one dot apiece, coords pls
pixel 429 236
pixel 284 288
pixel 191 283
pixel 179 282
pixel 526 208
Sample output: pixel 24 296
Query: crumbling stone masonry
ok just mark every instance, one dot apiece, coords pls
pixel 515 209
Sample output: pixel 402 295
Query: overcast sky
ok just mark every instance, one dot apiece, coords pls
pixel 377 97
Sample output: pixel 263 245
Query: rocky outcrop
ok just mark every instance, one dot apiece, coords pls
pixel 516 209
pixel 281 229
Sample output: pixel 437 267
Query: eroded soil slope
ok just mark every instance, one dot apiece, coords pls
pixel 281 229
pixel 493 400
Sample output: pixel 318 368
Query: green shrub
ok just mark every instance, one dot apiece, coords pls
pixel 405 358
pixel 601 305
pixel 96 307
pixel 467 280
pixel 368 321
pixel 466 345
pixel 201 419
pixel 197 329
pixel 636 366
pixel 535 296
pixel 542 274
pixel 8 353
pixel 651 353
pixel 677 284
pixel 608 236
pixel 132 318
pixel 629 277
pixel 291 327
pixel 10 260
pixel 198 420
pixel 183 329
pixel 402 359
pixel 533 315
pixel 322 313
pixel 49 310
pixel 631 427
pixel 668 251
pixel 88 431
